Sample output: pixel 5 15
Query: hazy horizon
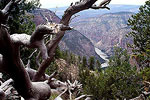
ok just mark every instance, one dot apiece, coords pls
pixel 109 5
pixel 64 3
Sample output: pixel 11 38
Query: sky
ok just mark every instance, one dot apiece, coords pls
pixel 62 3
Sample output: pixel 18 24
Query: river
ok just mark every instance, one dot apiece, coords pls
pixel 103 56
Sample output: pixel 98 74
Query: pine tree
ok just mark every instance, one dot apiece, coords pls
pixel 98 65
pixel 20 20
pixel 117 82
pixel 91 63
pixel 140 25
pixel 58 53
pixel 84 62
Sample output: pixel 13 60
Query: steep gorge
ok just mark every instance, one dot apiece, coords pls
pixel 106 31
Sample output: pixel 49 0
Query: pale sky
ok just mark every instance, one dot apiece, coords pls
pixel 62 3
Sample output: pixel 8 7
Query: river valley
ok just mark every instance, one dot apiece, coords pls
pixel 103 56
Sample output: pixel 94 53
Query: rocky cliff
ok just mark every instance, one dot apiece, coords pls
pixel 39 15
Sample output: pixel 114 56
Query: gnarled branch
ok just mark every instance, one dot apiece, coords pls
pixel 102 5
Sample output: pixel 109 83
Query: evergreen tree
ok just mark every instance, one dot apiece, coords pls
pixel 58 53
pixel 98 65
pixel 120 57
pixel 84 62
pixel 91 63
pixel 20 21
pixel 66 55
pixel 140 25
pixel 79 60
pixel 119 81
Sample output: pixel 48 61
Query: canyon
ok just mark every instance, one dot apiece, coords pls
pixel 95 34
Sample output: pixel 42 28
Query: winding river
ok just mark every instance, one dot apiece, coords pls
pixel 103 56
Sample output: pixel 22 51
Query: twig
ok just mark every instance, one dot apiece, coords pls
pixel 32 54
pixel 73 18
pixel 6 83
pixel 52 76
pixel 82 96
pixel 102 5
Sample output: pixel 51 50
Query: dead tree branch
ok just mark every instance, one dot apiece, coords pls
pixel 5 12
pixel 102 5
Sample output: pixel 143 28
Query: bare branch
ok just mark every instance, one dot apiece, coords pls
pixel 82 96
pixel 18 1
pixel 10 5
pixel 102 5
pixel 6 83
pixel 28 64
pixel 59 96
pixel 142 96
pixel 56 10
pixel 36 40
pixel 29 58
pixel 52 76
pixel 32 54
pixel 75 8
pixel 4 13
pixel 5 26
pixel 46 19
pixel 146 82
pixel 51 20
pixel 38 59
pixel 2 94
pixel 73 18
pixel 97 7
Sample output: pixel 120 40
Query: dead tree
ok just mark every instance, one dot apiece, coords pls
pixel 11 63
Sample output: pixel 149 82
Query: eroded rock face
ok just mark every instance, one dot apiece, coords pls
pixel 106 31
pixel 40 13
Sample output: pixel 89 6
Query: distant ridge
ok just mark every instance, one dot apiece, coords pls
pixel 93 13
